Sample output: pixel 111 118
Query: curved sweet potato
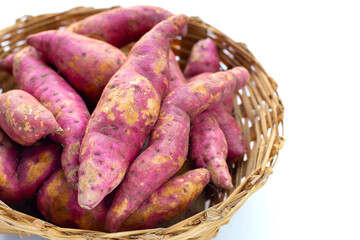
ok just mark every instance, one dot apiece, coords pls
pixel 169 140
pixel 208 149
pixel 70 111
pixel 169 200
pixel 24 119
pixel 120 26
pixel 127 111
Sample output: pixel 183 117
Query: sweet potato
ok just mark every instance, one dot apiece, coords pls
pixel 70 111
pixel 169 200
pixel 177 78
pixel 24 119
pixel 233 133
pixel 127 111
pixel 6 64
pixel 9 185
pixel 203 58
pixel 87 64
pixel 57 202
pixel 37 163
pixel 168 145
pixel 120 26
pixel 208 149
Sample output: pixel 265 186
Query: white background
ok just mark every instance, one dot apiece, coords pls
pixel 311 49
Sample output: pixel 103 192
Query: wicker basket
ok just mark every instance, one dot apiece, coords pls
pixel 258 110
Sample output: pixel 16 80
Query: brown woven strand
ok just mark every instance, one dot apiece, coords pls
pixel 257 108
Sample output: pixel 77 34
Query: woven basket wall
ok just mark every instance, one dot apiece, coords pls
pixel 258 110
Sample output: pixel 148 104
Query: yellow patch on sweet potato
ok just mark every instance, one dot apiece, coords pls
pixel 52 190
pixel 45 159
pixel 198 87
pixel 123 100
pixel 73 63
pixel 161 64
pixel 120 208
pixel 152 111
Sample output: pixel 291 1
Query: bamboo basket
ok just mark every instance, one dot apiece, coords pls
pixel 257 109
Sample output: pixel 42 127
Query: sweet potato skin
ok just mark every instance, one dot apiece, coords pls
pixel 6 64
pixel 233 134
pixel 120 26
pixel 168 145
pixel 57 202
pixel 208 149
pixel 9 185
pixel 127 111
pixel 169 200
pixel 203 58
pixel 24 119
pixel 37 163
pixel 69 109
pixel 88 64
pixel 177 78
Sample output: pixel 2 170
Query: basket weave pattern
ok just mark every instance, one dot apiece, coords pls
pixel 257 109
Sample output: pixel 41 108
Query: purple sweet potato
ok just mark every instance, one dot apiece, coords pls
pixel 9 185
pixel 57 202
pixel 177 78
pixel 37 163
pixel 168 145
pixel 169 200
pixel 70 111
pixel 24 119
pixel 233 134
pixel 88 64
pixel 127 111
pixel 6 64
pixel 120 26
pixel 203 58
pixel 208 149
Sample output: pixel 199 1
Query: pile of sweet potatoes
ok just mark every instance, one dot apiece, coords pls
pixel 97 137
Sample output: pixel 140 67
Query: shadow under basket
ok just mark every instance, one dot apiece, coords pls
pixel 257 108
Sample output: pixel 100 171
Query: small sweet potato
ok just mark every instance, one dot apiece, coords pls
pixel 9 185
pixel 203 58
pixel 126 113
pixel 37 163
pixel 24 119
pixel 70 111
pixel 169 200
pixel 87 63
pixel 120 26
pixel 208 149
pixel 168 145
pixel 57 202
